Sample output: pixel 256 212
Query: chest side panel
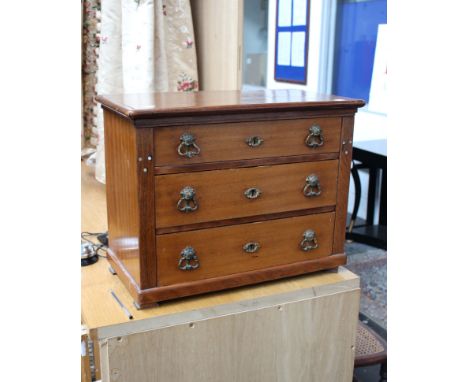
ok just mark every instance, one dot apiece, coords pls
pixel 344 170
pixel 122 192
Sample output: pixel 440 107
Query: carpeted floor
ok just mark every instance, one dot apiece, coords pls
pixel 370 264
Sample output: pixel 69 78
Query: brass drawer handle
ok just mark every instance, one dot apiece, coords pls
pixel 315 137
pixel 187 202
pixel 309 241
pixel 312 187
pixel 188 259
pixel 254 141
pixel 251 247
pixel 187 147
pixel 252 193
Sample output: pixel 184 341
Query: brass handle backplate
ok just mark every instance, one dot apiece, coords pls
pixel 312 186
pixel 309 241
pixel 254 141
pixel 251 247
pixel 252 193
pixel 188 259
pixel 187 202
pixel 187 147
pixel 315 137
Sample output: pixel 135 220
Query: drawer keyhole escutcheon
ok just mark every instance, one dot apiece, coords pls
pixel 315 137
pixel 187 202
pixel 309 241
pixel 251 247
pixel 187 147
pixel 252 193
pixel 188 259
pixel 312 186
pixel 254 141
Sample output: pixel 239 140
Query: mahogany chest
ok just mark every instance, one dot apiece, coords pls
pixel 214 190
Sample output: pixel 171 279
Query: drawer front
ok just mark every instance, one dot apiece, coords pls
pixel 184 145
pixel 197 197
pixel 207 253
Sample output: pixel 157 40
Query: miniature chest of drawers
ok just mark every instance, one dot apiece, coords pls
pixel 213 190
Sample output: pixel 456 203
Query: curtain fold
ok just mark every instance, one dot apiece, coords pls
pixel 145 46
pixel 90 47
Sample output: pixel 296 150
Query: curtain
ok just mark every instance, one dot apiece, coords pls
pixel 90 47
pixel 145 46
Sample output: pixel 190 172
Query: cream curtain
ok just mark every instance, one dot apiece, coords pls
pixel 145 45
pixel 90 48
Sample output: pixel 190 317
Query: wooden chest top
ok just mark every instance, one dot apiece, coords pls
pixel 150 105
pixel 213 190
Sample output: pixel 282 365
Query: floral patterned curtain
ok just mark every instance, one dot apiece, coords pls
pixel 90 47
pixel 145 46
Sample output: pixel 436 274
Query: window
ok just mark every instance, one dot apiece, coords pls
pixel 292 39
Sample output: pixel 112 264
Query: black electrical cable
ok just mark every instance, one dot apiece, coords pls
pixel 96 247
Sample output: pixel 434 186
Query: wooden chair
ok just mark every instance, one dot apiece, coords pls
pixel 370 349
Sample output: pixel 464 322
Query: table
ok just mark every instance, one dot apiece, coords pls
pixel 370 155
pixel 297 329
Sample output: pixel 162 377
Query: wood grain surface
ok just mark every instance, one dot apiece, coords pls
pixel 308 340
pixel 227 141
pixel 252 115
pixel 93 201
pixel 85 359
pixel 243 220
pixel 218 38
pixel 220 194
pixel 146 208
pixel 220 250
pixel 145 176
pixel 148 105
pixel 208 166
pixel 100 312
pixel 122 191
pixel 346 156
pixel 147 297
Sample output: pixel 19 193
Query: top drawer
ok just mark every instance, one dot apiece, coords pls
pixel 182 145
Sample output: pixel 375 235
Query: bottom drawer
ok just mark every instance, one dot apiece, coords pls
pixel 207 253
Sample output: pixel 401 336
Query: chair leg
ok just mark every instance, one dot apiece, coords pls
pixel 383 199
pixel 371 196
pixel 383 372
pixel 357 196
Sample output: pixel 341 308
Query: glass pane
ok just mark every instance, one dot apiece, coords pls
pixel 256 42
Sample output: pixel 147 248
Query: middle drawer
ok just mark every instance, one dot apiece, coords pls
pixel 197 197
